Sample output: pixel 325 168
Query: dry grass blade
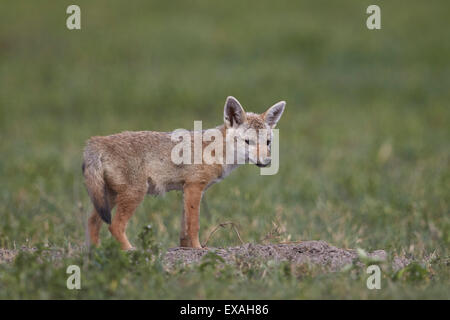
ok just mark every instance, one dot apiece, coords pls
pixel 223 225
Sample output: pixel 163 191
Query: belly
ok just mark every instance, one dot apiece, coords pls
pixel 155 188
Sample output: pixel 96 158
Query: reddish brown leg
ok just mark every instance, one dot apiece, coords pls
pixel 190 220
pixel 95 222
pixel 94 225
pixel 126 205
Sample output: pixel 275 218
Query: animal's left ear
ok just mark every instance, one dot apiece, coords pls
pixel 273 114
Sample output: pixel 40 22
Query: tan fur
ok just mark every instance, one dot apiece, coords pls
pixel 121 169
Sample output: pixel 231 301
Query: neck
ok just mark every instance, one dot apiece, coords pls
pixel 222 129
pixel 227 168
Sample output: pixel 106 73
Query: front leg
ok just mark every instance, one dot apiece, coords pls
pixel 190 220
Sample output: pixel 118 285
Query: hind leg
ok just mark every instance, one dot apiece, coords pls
pixel 127 203
pixel 94 225
pixel 95 222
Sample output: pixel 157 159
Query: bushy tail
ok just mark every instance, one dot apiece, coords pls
pixel 96 186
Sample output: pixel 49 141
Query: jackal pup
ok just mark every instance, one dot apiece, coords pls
pixel 120 169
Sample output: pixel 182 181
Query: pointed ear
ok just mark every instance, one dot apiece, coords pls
pixel 233 113
pixel 273 114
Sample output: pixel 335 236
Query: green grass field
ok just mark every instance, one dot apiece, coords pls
pixel 364 140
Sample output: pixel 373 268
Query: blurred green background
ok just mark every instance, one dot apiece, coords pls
pixel 364 140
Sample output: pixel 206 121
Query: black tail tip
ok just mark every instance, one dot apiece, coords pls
pixel 105 214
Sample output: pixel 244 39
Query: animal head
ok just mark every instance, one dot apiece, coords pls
pixel 250 132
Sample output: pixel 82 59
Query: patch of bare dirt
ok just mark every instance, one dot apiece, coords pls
pixel 310 252
pixel 306 252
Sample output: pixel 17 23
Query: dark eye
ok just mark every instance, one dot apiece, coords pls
pixel 268 142
pixel 247 141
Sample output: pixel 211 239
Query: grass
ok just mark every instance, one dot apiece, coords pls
pixel 364 140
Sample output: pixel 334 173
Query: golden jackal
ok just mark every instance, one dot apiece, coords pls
pixel 120 169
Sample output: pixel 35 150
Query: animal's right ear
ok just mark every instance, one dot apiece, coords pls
pixel 233 113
